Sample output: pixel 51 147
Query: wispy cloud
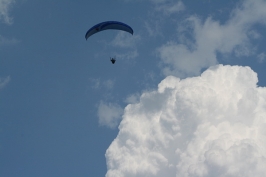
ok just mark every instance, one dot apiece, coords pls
pixel 127 55
pixel 102 84
pixel 153 27
pixel 170 8
pixel 6 42
pixel 261 57
pixel 133 98
pixel 5 6
pixel 125 40
pixel 4 81
pixel 188 57
pixel 161 12
pixel 109 114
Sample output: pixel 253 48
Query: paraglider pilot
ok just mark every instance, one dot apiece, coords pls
pixel 112 60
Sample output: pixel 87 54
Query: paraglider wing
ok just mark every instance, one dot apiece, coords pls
pixel 108 25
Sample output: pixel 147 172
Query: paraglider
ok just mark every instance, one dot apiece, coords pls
pixel 108 25
pixel 115 25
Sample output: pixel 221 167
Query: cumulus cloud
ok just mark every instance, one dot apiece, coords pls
pixel 109 114
pixel 210 125
pixel 4 10
pixel 188 57
pixel 4 81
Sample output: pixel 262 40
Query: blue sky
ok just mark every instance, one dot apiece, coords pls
pixel 186 96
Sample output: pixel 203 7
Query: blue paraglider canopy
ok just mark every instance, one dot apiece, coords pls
pixel 108 25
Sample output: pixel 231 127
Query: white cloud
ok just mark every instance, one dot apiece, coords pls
pixel 95 83
pixel 4 81
pixel 158 1
pixel 261 57
pixel 171 7
pixel 109 84
pixel 153 27
pixel 189 58
pixel 132 99
pixel 125 40
pixel 211 125
pixel 99 84
pixel 6 42
pixel 156 22
pixel 254 34
pixel 4 10
pixel 109 114
pixel 127 55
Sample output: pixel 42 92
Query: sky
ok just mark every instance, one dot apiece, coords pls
pixel 185 98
